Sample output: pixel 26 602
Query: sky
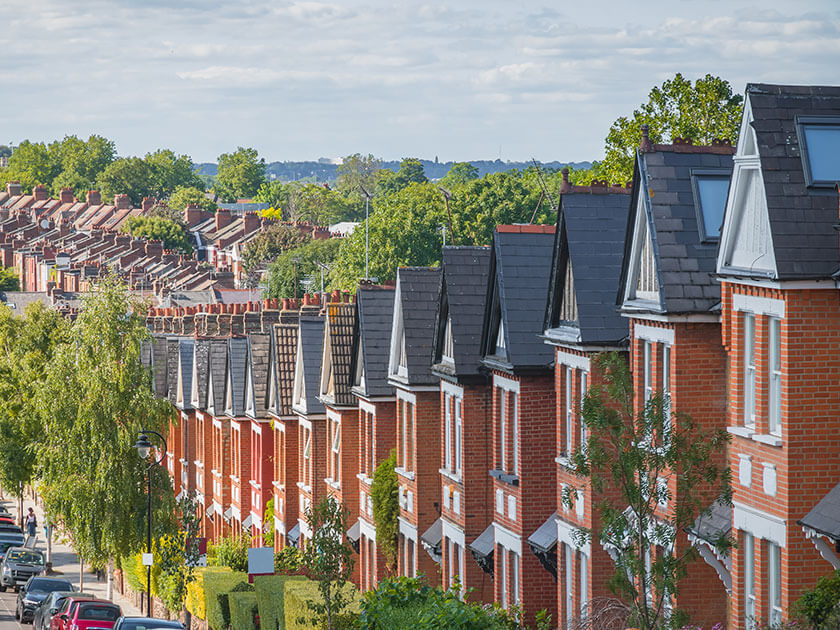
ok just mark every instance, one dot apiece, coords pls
pixel 460 80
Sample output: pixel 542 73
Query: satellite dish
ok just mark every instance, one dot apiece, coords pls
pixel 45 224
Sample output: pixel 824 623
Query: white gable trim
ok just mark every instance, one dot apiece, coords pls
pixel 397 336
pixel 194 401
pixel 211 393
pixel 299 391
pixel 250 403
pixel 326 360
pixel 641 232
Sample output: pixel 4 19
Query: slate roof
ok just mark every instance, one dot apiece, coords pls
pixel 824 518
pixel 685 265
pixel 419 291
pixel 374 318
pixel 284 354
pixel 159 367
pixel 311 333
pixel 19 300
pixel 462 298
pixel 520 265
pixel 172 350
pixel 590 234
pixel 710 527
pixel 217 371
pixel 237 354
pixel 258 351
pixel 801 219
pixel 185 348
pixel 340 324
pixel 201 364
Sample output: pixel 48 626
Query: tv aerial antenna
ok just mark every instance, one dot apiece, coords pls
pixel 546 193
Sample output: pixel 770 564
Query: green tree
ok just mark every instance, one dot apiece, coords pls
pixel 9 280
pixel 276 194
pixel 301 263
pixel 96 398
pixel 178 554
pixel 131 176
pixel 358 171
pixel 31 164
pixel 706 110
pixel 190 195
pixel 172 233
pixel 270 243
pixel 459 173
pixel 384 492
pixel 171 172
pixel 654 473
pixel 5 151
pixel 410 172
pixel 81 162
pixel 328 558
pixel 241 174
pixel 268 523
pixel 29 343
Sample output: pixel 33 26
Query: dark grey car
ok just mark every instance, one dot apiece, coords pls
pixel 19 564
pixel 34 592
pixel 49 607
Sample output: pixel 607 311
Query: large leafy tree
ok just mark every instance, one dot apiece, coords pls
pixel 131 176
pixel 96 398
pixel 31 164
pixel 172 233
pixel 81 162
pixel 301 265
pixel 702 111
pixel 652 473
pixel 459 173
pixel 171 172
pixel 241 174
pixel 270 243
pixel 29 342
pixel 190 195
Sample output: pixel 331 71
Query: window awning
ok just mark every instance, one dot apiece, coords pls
pixel 545 538
pixel 228 513
pixel 482 549
pixel 248 521
pixel 294 535
pixel 354 533
pixel 707 530
pixel 431 539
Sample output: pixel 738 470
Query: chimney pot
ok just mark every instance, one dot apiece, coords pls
pixel 646 145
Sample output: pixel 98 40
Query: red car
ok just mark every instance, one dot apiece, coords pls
pixel 79 613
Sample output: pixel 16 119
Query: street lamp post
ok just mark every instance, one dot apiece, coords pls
pixel 144 448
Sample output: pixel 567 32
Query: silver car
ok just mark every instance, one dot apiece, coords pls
pixel 19 564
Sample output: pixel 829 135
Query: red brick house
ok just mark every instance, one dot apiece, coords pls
pixel 376 420
pixel 342 425
pixel 777 264
pixel 215 427
pixel 581 321
pixel 260 473
pixel 522 415
pixel 312 423
pixel 284 342
pixel 417 421
pixel 466 488
pixel 672 301
pixel 240 435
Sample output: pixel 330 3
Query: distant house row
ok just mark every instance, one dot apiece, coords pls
pixel 65 244
pixel 714 275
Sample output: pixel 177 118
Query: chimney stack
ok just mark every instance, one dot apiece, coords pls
pixel 147 204
pixel 93 198
pixel 223 218
pixel 14 188
pixel 122 201
pixel 251 222
pixel 646 146
pixel 565 186
pixel 39 192
pixel 66 195
pixel 237 324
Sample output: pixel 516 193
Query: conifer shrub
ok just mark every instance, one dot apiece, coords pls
pixel 384 492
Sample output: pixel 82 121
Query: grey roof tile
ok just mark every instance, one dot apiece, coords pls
pixel 824 517
pixel 311 333
pixel 235 381
pixel 419 295
pixel 374 319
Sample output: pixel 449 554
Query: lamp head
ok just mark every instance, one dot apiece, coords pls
pixel 143 446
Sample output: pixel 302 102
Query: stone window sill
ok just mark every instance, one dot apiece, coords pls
pixel 504 477
pixel 405 474
pixel 761 438
pixel 450 475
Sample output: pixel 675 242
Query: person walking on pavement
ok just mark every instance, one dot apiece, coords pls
pixel 31 523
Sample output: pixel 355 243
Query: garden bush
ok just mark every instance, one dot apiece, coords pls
pixel 298 594
pixel 243 608
pixel 196 594
pixel 217 588
pixel 817 604
pixel 271 599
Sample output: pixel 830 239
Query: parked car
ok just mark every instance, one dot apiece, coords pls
pixel 19 564
pixel 10 527
pixel 146 623
pixel 6 544
pixel 34 592
pixel 86 614
pixel 51 605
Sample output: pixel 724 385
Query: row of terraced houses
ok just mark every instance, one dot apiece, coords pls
pixel 714 274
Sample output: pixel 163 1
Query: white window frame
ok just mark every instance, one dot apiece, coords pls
pixel 514 430
pixel 307 456
pixel 503 429
pixel 774 327
pixel 584 386
pixel 774 583
pixel 447 458
pixel 749 581
pixel 569 578
pixel 335 449
pixel 459 437
pixel 583 559
pixel 504 558
pixel 749 370
pixel 568 412
pixel 648 370
pixel 666 393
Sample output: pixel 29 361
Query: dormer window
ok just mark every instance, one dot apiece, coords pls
pixel 819 140
pixel 500 339
pixel 403 363
pixel 448 353
pixel 710 190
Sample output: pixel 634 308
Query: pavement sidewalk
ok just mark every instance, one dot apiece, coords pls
pixel 66 562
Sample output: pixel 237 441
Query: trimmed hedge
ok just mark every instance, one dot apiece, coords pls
pixel 196 596
pixel 271 599
pixel 217 589
pixel 243 607
pixel 299 592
